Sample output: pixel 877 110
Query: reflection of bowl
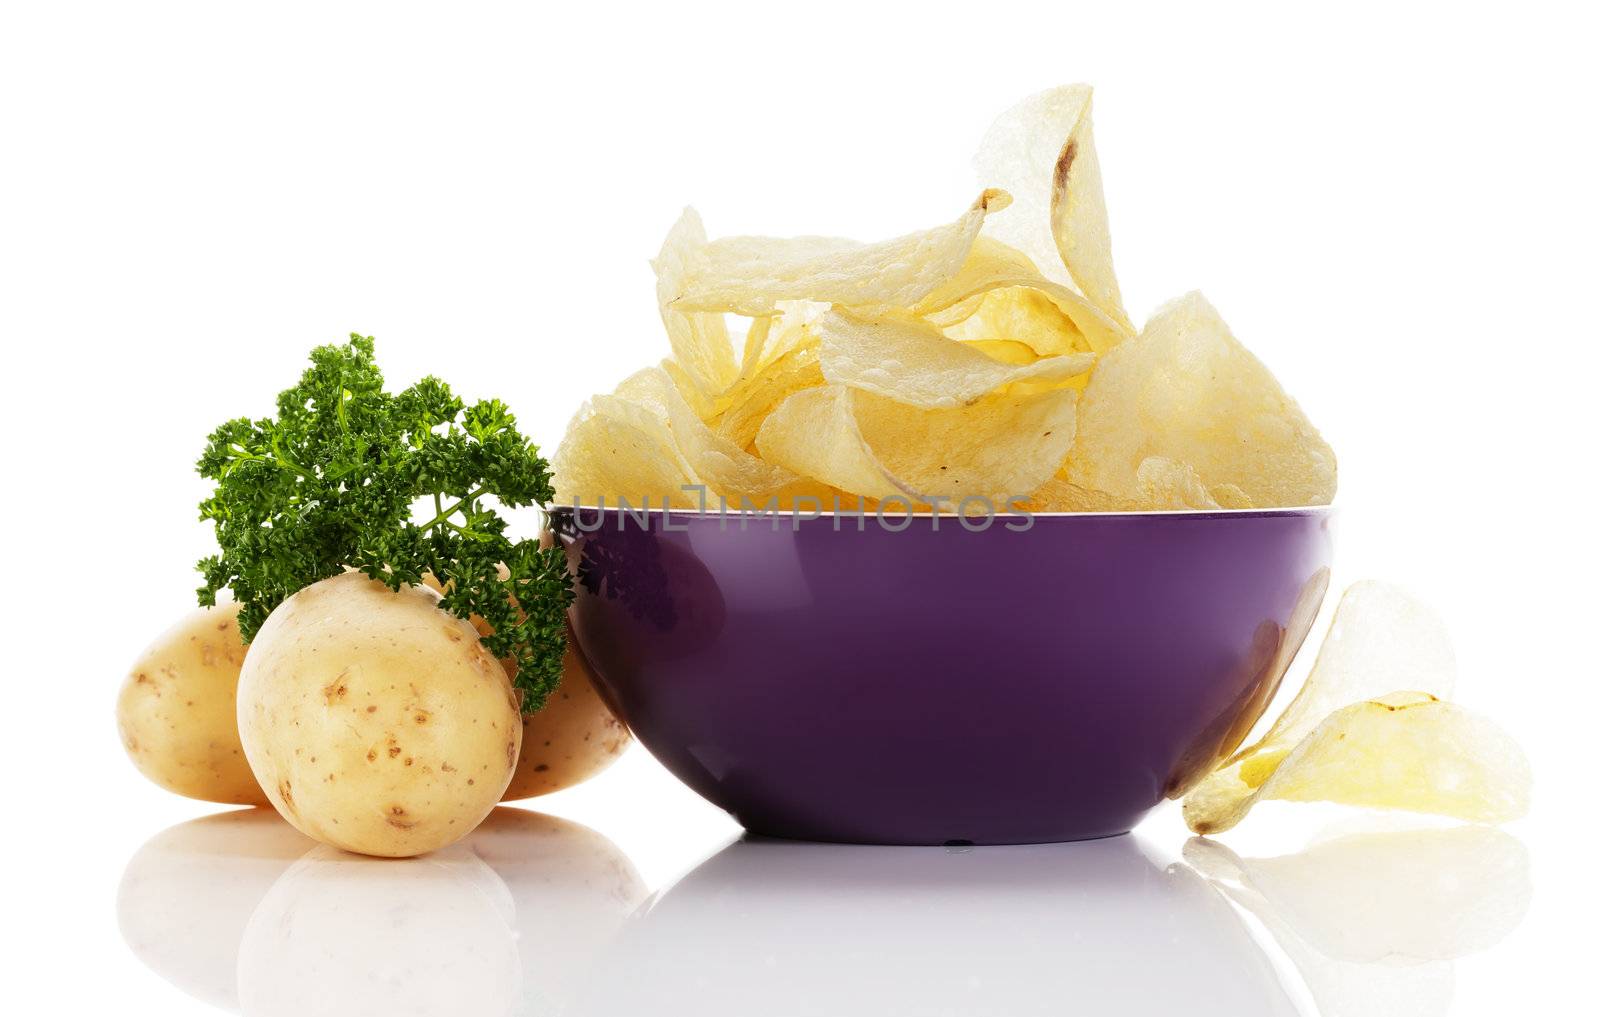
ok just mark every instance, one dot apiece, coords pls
pixel 832 678
pixel 772 927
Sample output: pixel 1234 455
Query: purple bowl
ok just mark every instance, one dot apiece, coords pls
pixel 832 679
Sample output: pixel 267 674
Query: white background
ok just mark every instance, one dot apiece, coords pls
pixel 1394 207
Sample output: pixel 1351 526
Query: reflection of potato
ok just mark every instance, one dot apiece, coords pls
pixel 333 933
pixel 347 936
pixel 573 738
pixel 573 890
pixel 175 712
pixel 187 895
pixel 374 721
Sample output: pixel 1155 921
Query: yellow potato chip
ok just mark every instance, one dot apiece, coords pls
pixel 1164 484
pixel 1057 495
pixel 1351 743
pixel 699 341
pixel 988 263
pixel 1405 750
pixel 1024 315
pixel 913 363
pixel 750 275
pixel 814 433
pixel 998 448
pixel 800 368
pixel 723 467
pixel 992 266
pixel 616 449
pixel 1042 151
pixel 1187 392
pixel 1006 351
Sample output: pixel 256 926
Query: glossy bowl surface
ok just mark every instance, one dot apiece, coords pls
pixel 833 679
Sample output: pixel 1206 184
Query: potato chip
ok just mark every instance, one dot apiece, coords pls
pixel 1006 351
pixel 913 363
pixel 1164 484
pixel 1057 495
pixel 1024 315
pixel 1001 446
pixel 1381 639
pixel 1042 151
pixel 1400 748
pixel 699 341
pixel 750 275
pixel 987 263
pixel 615 449
pixel 725 468
pixel 997 448
pixel 993 267
pixel 1187 392
pixel 800 368
pixel 1404 750
pixel 814 433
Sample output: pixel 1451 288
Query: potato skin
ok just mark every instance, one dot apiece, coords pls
pixel 572 738
pixel 175 711
pixel 374 721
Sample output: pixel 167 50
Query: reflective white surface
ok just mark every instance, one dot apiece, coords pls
pixel 534 914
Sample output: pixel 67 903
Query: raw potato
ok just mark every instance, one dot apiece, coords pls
pixel 374 721
pixel 175 712
pixel 573 738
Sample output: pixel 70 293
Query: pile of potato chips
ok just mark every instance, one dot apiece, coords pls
pixel 988 359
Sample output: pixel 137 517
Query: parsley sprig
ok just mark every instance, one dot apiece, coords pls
pixel 339 480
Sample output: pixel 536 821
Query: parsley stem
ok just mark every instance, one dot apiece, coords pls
pixel 445 514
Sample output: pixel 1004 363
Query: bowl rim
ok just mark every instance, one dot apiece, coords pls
pixel 710 513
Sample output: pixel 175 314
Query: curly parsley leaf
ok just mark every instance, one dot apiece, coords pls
pixel 332 482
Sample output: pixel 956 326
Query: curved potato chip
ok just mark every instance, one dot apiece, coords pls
pixel 1042 151
pixel 987 263
pixel 1164 484
pixel 1381 639
pixel 699 341
pixel 724 468
pixel 615 449
pixel 915 364
pixel 1025 315
pixel 1186 391
pixel 755 343
pixel 997 448
pixel 1007 351
pixel 994 267
pixel 814 433
pixel 800 368
pixel 750 275
pixel 1057 495
pixel 1405 750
